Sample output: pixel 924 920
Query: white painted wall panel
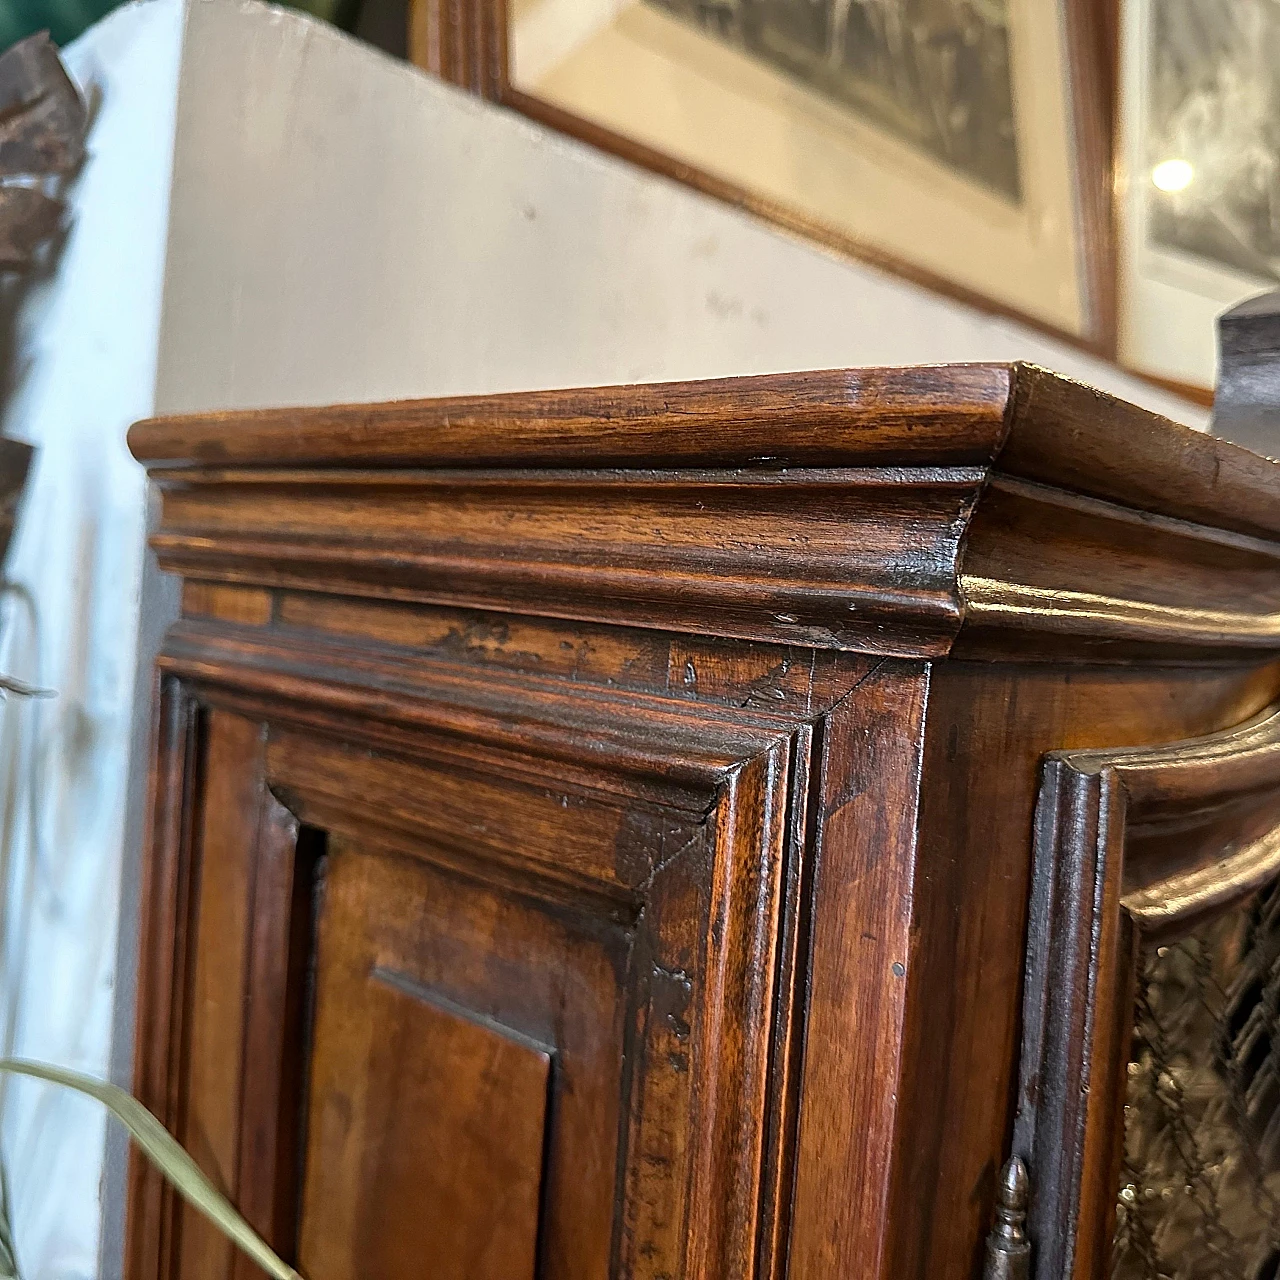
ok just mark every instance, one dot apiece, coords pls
pixel 345 228
pixel 87 345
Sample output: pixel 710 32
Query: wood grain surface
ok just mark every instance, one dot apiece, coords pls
pixel 1130 844
pixel 593 831
pixel 901 512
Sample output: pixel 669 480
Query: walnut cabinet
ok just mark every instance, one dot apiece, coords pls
pixel 705 830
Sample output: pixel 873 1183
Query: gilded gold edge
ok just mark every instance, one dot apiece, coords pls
pixel 1241 872
pixel 989 602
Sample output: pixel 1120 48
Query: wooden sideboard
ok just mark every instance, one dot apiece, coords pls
pixel 705 830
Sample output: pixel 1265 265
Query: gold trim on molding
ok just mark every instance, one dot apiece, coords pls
pixel 1207 888
pixel 989 602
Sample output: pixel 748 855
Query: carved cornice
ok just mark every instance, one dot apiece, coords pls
pixel 988 509
pixel 947 416
pixel 836 559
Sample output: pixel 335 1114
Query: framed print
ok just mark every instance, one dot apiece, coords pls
pixel 1198 175
pixel 947 140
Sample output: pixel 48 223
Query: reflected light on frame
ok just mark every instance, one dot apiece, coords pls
pixel 1173 175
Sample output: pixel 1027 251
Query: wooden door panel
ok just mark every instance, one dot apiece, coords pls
pixel 426 1120
pixel 441 1003
pixel 236 1037
pixel 227 840
pixel 538 1033
pixel 425 1145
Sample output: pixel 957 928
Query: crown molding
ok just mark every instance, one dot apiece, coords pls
pixel 990 510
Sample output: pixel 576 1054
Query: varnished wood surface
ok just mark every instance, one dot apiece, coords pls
pixel 1058 431
pixel 945 416
pixel 1039 425
pixel 221 981
pixel 532 802
pixel 941 1082
pixel 1046 567
pixel 508 810
pixel 163 969
pixel 900 512
pixel 1131 842
pixel 422 1112
pixel 988 728
pixel 867 817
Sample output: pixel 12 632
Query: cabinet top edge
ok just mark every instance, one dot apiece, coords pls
pixel 1015 419
pixel 985 510
pixel 945 415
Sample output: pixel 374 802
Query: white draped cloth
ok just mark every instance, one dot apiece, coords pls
pixel 85 347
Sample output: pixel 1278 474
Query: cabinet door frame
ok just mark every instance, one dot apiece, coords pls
pixel 741 771
pixel 1131 846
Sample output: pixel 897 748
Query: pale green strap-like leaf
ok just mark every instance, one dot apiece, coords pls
pixel 9 685
pixel 163 1150
pixel 8 1259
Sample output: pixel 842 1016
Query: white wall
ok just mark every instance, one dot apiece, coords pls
pixel 345 228
pixel 340 228
pixel 87 344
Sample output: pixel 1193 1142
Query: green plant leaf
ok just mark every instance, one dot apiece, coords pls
pixel 164 1151
pixel 8 1259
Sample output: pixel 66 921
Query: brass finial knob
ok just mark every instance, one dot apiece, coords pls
pixel 1008 1249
